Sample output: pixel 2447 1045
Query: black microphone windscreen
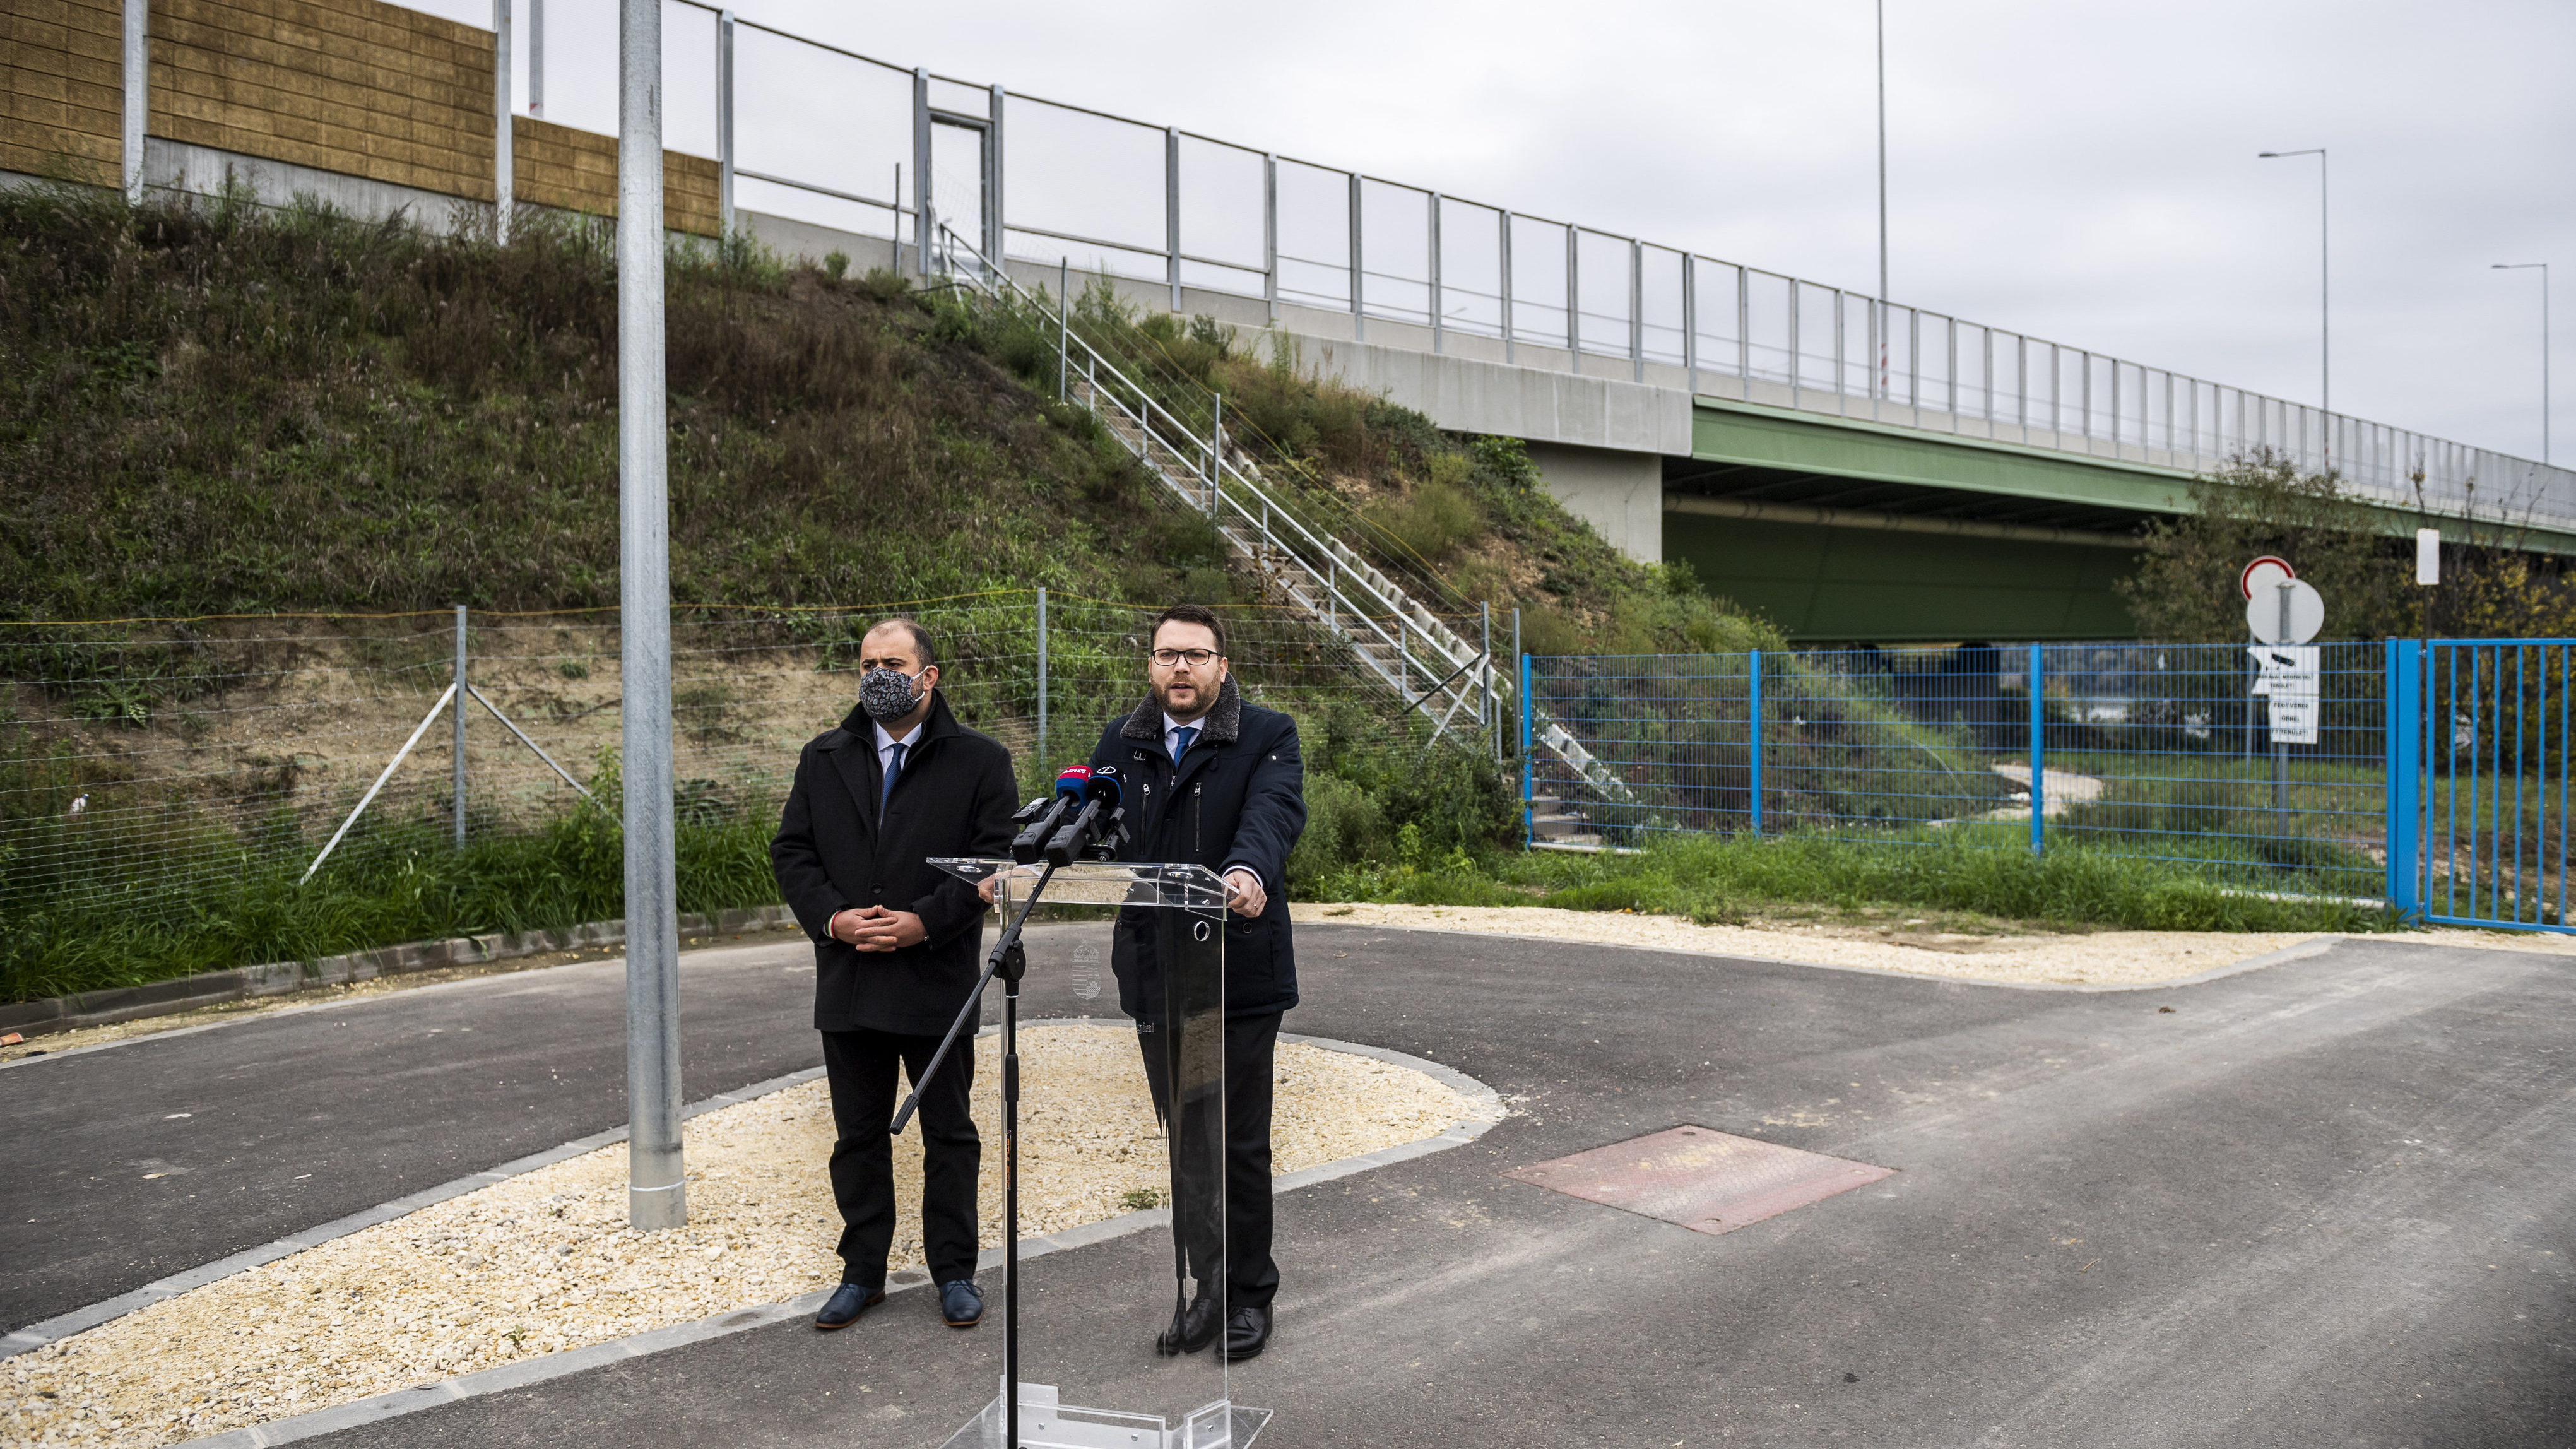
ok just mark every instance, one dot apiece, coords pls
pixel 1103 785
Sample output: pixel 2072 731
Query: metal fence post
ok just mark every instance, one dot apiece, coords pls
pixel 2401 702
pixel 1574 297
pixel 1359 316
pixel 1744 332
pixel 1529 813
pixel 1042 678
pixel 537 58
pixel 1690 320
pixel 1437 341
pixel 1172 209
pixel 1637 307
pixel 996 236
pixel 920 176
pixel 2038 754
pixel 1753 735
pixel 657 1181
pixel 1216 449
pixel 1488 718
pixel 1270 233
pixel 456 724
pixel 1503 235
pixel 1063 325
pixel 724 123
pixel 504 188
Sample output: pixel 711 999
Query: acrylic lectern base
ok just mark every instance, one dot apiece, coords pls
pixel 1047 1424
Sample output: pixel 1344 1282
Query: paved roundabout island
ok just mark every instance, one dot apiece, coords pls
pixel 2320 1202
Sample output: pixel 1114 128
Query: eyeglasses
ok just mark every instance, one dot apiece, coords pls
pixel 1196 658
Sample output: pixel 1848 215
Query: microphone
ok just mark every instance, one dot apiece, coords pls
pixel 1100 795
pixel 1046 817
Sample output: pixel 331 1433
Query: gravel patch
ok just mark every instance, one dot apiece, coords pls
pixel 2088 959
pixel 544 1262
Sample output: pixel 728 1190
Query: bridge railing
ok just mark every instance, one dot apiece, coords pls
pixel 1330 251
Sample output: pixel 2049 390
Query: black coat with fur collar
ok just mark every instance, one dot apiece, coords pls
pixel 1238 797
pixel 832 853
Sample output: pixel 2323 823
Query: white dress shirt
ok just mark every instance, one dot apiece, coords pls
pixel 886 744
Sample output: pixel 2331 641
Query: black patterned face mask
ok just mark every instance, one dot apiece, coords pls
pixel 886 694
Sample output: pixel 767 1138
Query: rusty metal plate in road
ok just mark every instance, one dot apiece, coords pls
pixel 1704 1180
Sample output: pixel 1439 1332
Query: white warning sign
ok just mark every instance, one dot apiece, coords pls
pixel 2288 677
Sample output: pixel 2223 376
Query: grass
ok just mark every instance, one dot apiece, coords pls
pixel 1979 870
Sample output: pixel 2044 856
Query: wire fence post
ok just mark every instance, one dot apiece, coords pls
pixel 1172 210
pixel 1529 812
pixel 1063 325
pixel 1753 735
pixel 1270 234
pixel 1042 677
pixel 457 725
pixel 1490 718
pixel 2038 755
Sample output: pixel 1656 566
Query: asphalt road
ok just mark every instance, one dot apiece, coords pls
pixel 159 1154
pixel 2325 1202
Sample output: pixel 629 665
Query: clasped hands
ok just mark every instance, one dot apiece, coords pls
pixel 1243 893
pixel 874 928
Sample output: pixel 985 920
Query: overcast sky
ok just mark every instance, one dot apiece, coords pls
pixel 2083 172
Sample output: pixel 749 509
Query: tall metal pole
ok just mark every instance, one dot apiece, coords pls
pixel 1877 312
pixel 2544 344
pixel 921 237
pixel 657 1186
pixel 504 179
pixel 1042 677
pixel 537 58
pixel 456 723
pixel 138 93
pixel 2325 310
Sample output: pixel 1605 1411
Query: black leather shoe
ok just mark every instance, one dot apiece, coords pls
pixel 961 1303
pixel 846 1304
pixel 1193 1328
pixel 1247 1333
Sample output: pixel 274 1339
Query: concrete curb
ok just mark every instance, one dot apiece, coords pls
pixel 736 1320
pixel 279 978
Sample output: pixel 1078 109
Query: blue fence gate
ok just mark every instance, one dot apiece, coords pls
pixel 2434 780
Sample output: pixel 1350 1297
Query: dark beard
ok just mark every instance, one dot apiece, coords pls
pixel 1207 696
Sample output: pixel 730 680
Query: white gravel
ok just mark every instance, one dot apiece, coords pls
pixel 544 1261
pixel 2099 958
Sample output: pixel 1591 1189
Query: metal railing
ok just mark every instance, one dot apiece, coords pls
pixel 1541 292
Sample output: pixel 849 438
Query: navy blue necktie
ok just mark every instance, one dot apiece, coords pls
pixel 1181 738
pixel 894 767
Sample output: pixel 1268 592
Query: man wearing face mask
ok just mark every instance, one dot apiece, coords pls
pixel 896 783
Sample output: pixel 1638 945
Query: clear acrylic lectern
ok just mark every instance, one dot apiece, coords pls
pixel 1115 1104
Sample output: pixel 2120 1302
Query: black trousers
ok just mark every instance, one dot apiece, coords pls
pixel 1252 1275
pixel 860 1065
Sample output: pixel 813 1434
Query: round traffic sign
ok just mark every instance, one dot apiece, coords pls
pixel 2262 574
pixel 2307 613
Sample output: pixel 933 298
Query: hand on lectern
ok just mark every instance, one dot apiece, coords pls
pixel 1244 895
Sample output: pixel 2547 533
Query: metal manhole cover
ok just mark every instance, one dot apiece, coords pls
pixel 1704 1180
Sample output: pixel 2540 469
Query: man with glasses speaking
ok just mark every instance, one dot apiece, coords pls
pixel 1217 782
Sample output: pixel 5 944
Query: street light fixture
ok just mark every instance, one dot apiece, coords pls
pixel 2325 336
pixel 2544 343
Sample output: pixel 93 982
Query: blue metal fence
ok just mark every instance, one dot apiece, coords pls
pixel 2313 771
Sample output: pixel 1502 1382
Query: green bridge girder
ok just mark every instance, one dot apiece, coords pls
pixel 1843 529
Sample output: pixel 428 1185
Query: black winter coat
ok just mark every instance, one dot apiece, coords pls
pixel 954 798
pixel 1237 798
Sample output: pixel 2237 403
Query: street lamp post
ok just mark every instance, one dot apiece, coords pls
pixel 2325 335
pixel 2544 343
pixel 1883 317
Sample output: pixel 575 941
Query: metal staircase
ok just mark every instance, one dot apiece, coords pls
pixel 1399 642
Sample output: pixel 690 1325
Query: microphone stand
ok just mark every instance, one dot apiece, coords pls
pixel 1010 961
